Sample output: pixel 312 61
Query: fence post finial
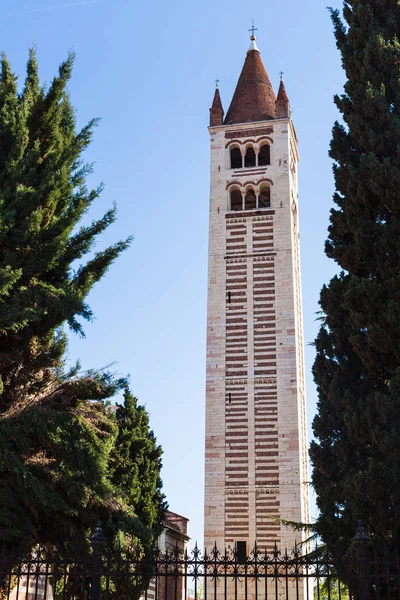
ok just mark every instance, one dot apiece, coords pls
pixel 361 540
pixel 98 542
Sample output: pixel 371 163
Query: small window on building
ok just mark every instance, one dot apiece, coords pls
pixel 264 199
pixel 236 200
pixel 250 158
pixel 236 158
pixel 264 157
pixel 241 552
pixel 250 200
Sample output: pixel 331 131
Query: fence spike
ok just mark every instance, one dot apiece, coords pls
pixel 98 539
pixel 361 535
pixel 361 540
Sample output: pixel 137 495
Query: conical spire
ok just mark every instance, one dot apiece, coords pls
pixel 254 98
pixel 216 110
pixel 282 102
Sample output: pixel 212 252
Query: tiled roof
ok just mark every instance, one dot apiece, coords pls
pixel 254 98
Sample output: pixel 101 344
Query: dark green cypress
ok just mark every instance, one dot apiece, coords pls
pixel 135 465
pixel 356 455
pixel 57 432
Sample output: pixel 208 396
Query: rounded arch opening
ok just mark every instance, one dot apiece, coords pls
pixel 264 198
pixel 264 156
pixel 250 157
pixel 250 200
pixel 236 199
pixel 236 158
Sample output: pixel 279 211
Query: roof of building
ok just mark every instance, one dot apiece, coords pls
pixel 176 522
pixel 282 94
pixel 216 111
pixel 254 98
pixel 217 104
pixel 282 102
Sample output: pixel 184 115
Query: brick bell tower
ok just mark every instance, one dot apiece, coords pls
pixel 256 433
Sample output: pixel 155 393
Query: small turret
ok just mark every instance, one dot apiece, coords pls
pixel 216 111
pixel 282 102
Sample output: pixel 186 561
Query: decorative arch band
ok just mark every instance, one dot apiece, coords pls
pixel 265 180
pixel 232 142
pixel 265 138
pixel 232 183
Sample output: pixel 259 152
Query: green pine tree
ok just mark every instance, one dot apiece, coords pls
pixel 135 465
pixel 139 504
pixel 57 433
pixel 356 455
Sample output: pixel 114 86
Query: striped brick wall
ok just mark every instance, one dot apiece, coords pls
pixel 256 441
pixel 251 297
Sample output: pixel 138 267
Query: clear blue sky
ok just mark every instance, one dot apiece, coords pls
pixel 148 69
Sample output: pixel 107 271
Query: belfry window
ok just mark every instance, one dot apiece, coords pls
pixel 264 199
pixel 250 158
pixel 236 158
pixel 250 200
pixel 264 157
pixel 236 200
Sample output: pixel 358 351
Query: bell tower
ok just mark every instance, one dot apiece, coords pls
pixel 256 433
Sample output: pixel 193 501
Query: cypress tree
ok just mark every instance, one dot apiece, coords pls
pixel 57 432
pixel 135 465
pixel 356 455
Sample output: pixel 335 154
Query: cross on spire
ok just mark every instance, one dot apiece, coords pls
pixel 281 74
pixel 217 83
pixel 253 29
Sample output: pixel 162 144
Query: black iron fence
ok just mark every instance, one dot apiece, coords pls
pixel 107 574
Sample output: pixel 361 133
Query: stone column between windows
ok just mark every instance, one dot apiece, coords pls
pixel 243 153
pixel 250 388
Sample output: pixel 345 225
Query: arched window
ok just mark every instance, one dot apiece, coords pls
pixel 236 158
pixel 250 200
pixel 264 199
pixel 264 157
pixel 250 158
pixel 236 200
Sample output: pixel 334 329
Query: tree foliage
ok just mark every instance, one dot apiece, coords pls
pixel 330 589
pixel 356 455
pixel 135 464
pixel 58 435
